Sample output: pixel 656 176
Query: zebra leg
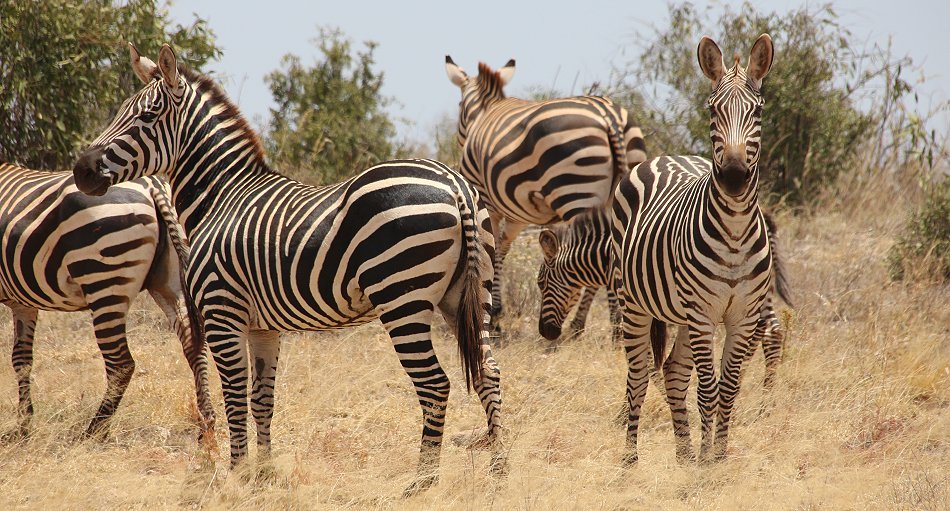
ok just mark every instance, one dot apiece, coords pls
pixel 735 351
pixel 265 348
pixel 24 327
pixel 613 306
pixel 169 298
pixel 108 319
pixel 773 343
pixel 409 327
pixel 707 392
pixel 226 333
pixel 508 232
pixel 677 372
pixel 636 345
pixel 583 310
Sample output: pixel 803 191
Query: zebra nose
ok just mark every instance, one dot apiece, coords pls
pixel 87 174
pixel 550 331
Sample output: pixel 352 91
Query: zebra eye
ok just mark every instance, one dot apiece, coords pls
pixel 148 117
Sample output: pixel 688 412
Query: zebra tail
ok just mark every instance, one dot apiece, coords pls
pixel 782 286
pixel 179 241
pixel 658 336
pixel 470 315
pixel 618 152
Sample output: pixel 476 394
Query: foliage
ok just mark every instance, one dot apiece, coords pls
pixel 64 69
pixel 824 106
pixel 923 247
pixel 330 117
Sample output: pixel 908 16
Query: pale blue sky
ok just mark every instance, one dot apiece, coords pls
pixel 555 43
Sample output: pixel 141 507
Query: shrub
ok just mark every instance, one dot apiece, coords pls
pixel 922 249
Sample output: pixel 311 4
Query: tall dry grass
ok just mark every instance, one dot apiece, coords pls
pixel 859 418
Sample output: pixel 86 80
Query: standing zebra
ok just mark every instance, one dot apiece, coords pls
pixel 539 162
pixel 694 250
pixel 61 250
pixel 579 256
pixel 270 254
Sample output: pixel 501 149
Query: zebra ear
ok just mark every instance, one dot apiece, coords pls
pixel 710 59
pixel 760 59
pixel 506 73
pixel 456 74
pixel 549 244
pixel 143 67
pixel 168 65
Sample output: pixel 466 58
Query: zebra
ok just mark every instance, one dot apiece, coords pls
pixel 579 256
pixel 61 250
pixel 270 254
pixel 539 162
pixel 693 250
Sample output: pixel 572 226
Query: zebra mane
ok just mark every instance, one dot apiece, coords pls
pixel 489 81
pixel 207 86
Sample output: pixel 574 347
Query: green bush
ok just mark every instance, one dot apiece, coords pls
pixel 64 70
pixel 330 120
pixel 922 249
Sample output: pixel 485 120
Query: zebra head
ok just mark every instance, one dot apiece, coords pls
pixel 735 108
pixel 559 289
pixel 142 139
pixel 477 93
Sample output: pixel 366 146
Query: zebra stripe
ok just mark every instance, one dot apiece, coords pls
pixel 693 250
pixel 270 254
pixel 578 256
pixel 538 162
pixel 61 250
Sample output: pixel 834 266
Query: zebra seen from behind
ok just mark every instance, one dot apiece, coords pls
pixel 578 256
pixel 269 254
pixel 539 162
pixel 61 250
pixel 694 251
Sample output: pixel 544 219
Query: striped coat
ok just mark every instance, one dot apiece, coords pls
pixel 61 250
pixel 398 242
pixel 539 162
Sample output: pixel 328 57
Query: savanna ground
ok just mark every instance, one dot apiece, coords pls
pixel 859 418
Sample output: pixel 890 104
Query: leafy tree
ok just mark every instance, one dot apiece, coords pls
pixel 817 120
pixel 64 70
pixel 330 118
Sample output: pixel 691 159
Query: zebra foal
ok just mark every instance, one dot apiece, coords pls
pixel 269 254
pixel 693 250
pixel 61 250
pixel 539 162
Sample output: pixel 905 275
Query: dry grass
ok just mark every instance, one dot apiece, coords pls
pixel 860 416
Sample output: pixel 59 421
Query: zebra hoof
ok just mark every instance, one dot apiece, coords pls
pixel 685 455
pixel 499 465
pixel 16 435
pixel 421 484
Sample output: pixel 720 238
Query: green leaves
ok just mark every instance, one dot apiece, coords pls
pixel 330 120
pixel 64 70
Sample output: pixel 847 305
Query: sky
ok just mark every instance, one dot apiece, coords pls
pixel 559 45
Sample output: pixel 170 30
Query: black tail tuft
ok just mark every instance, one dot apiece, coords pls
pixel 782 286
pixel 658 336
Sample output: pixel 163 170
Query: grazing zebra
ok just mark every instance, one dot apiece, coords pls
pixel 578 256
pixel 693 250
pixel 270 254
pixel 61 250
pixel 539 162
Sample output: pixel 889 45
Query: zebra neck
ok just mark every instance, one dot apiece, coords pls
pixel 733 217
pixel 220 156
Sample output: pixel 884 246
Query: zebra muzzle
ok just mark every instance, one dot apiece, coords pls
pixel 90 173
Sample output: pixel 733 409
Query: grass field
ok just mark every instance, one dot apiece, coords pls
pixel 859 418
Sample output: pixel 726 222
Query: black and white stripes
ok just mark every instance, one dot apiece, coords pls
pixel 269 254
pixel 692 249
pixel 61 250
pixel 538 162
